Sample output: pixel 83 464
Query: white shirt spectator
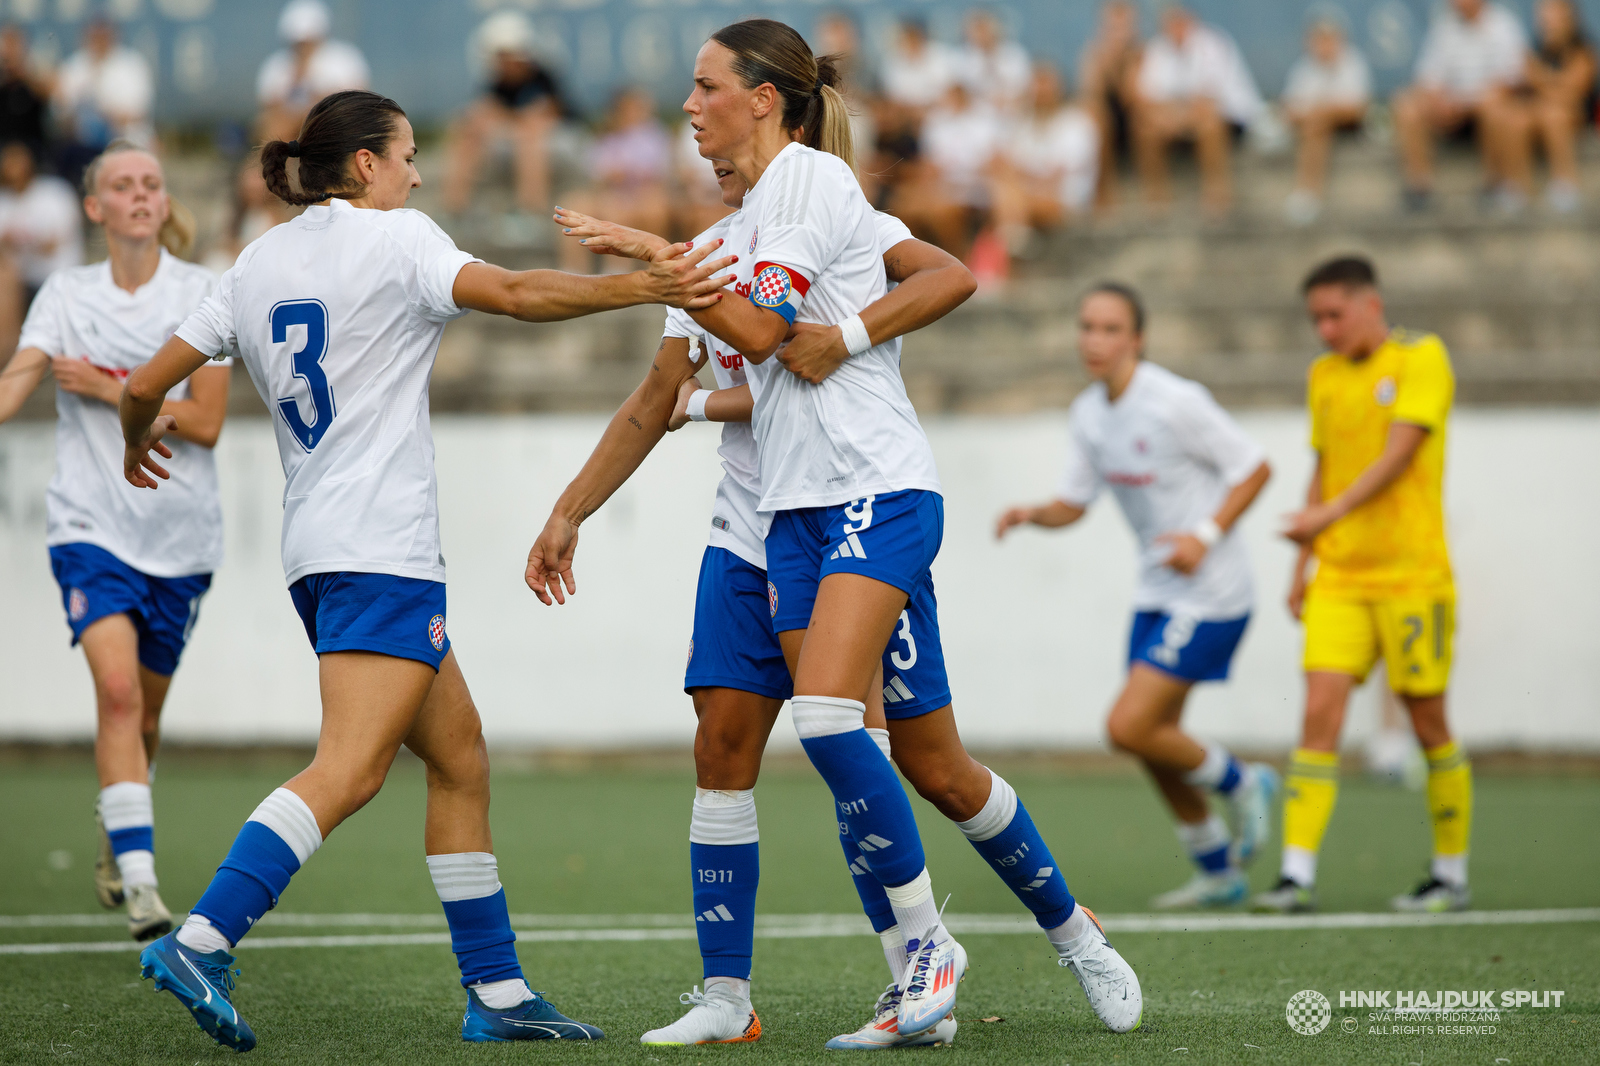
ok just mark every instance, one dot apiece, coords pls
pixel 960 144
pixel 1065 145
pixel 1207 65
pixel 1464 59
pixel 999 77
pixel 43 226
pixel 116 92
pixel 920 80
pixel 334 67
pixel 1347 82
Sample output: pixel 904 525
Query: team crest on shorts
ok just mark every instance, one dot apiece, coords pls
pixel 772 286
pixel 772 598
pixel 77 605
pixel 1384 393
pixel 436 632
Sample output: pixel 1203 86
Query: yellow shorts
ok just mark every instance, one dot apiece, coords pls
pixel 1415 635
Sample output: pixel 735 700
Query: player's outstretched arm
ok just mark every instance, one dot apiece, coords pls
pixel 20 376
pixel 1401 447
pixel 1052 515
pixel 931 284
pixel 676 276
pixel 143 424
pixel 633 431
pixel 608 238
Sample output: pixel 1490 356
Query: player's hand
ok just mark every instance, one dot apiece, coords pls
pixel 680 410
pixel 682 277
pixel 814 351
pixel 549 572
pixel 608 238
pixel 1016 516
pixel 1297 597
pixel 1188 551
pixel 1303 526
pixel 79 376
pixel 137 466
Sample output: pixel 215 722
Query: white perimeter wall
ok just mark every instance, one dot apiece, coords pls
pixel 1034 629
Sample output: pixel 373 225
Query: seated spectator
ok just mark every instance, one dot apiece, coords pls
pixel 1328 90
pixel 1051 157
pixel 631 163
pixel 1473 50
pixel 1107 73
pixel 916 71
pixel 104 92
pixel 294 78
pixel 947 192
pixel 24 92
pixel 1193 85
pixel 41 231
pixel 1548 108
pixel 994 70
pixel 518 111
pixel 255 211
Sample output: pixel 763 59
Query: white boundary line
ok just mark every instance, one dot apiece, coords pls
pixel 645 927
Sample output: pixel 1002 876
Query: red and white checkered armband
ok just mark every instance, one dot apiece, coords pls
pixel 779 288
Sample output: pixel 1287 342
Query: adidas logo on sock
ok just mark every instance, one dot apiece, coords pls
pixel 850 549
pixel 859 868
pixel 896 691
pixel 874 842
pixel 1043 878
pixel 719 914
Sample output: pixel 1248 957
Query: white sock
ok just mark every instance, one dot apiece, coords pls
pixel 739 986
pixel 880 737
pixel 1451 869
pixel 1068 937
pixel 998 811
pixel 198 934
pixel 509 994
pixel 894 953
pixel 914 911
pixel 1212 768
pixel 138 867
pixel 464 875
pixel 289 816
pixel 1299 865
pixel 127 805
pixel 723 816
pixel 1204 837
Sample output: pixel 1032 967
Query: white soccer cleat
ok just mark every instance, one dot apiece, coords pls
pixel 107 874
pixel 1252 810
pixel 719 1015
pixel 1433 896
pixel 148 917
pixel 1226 889
pixel 929 986
pixel 883 1031
pixel 1107 979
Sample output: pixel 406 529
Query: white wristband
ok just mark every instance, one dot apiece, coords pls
pixel 697 405
pixel 1208 533
pixel 855 335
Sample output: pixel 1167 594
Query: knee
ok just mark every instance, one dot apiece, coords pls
pixel 465 768
pixel 122 698
pixel 723 745
pixel 958 791
pixel 1124 735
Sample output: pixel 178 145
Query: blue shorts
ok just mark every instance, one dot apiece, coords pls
pixel 914 681
pixel 96 584
pixel 399 616
pixel 1183 647
pixel 733 645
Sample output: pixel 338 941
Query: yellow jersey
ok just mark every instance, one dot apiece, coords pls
pixel 1393 544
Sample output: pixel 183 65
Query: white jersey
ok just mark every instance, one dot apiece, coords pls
pixel 1170 455
pixel 737 522
pixel 80 313
pixel 337 315
pixel 808 249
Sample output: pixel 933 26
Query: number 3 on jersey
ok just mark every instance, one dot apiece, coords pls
pixel 307 367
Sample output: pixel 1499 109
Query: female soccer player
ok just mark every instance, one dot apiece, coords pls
pixel 338 315
pixel 132 568
pixel 736 675
pixel 1183 472
pixel 857 519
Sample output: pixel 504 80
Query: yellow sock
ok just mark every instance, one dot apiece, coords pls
pixel 1449 799
pixel 1309 794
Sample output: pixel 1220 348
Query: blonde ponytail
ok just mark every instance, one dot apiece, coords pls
pixel 834 134
pixel 177 232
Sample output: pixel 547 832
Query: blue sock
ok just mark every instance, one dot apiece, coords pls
pixel 874 900
pixel 1207 843
pixel 869 800
pixel 1218 770
pixel 1006 837
pixel 1230 777
pixel 279 837
pixel 468 884
pixel 725 867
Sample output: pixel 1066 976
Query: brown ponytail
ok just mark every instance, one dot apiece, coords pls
pixel 337 128
pixel 767 51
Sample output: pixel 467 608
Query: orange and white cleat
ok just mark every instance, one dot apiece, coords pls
pixel 883 1031
pixel 1106 978
pixel 719 1015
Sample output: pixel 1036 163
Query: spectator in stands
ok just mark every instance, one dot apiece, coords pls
pixel 254 211
pixel 1193 85
pixel 1328 91
pixel 41 231
pixel 1472 51
pixel 916 71
pixel 103 92
pixel 632 165
pixel 1107 74
pixel 311 67
pixel 1050 156
pixel 838 36
pixel 949 188
pixel 519 111
pixel 1548 108
pixel 994 69
pixel 24 92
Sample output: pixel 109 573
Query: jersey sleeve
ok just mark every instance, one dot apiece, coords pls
pixel 679 324
pixel 800 231
pixel 1209 434
pixel 1426 386
pixel 438 261
pixel 42 328
pixel 209 329
pixel 1080 484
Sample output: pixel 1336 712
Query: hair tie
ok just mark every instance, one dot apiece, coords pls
pixel 816 90
pixel 294 149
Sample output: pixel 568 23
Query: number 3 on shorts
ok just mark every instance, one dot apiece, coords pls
pixel 909 660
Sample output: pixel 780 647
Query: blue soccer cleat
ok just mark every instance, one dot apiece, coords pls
pixel 534 1019
pixel 1252 807
pixel 202 983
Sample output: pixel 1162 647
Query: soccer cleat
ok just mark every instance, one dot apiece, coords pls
pixel 1252 810
pixel 1433 896
pixel 202 983
pixel 719 1015
pixel 1106 979
pixel 1289 897
pixel 533 1019
pixel 929 987
pixel 883 1031
pixel 107 875
pixel 148 917
pixel 1226 889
